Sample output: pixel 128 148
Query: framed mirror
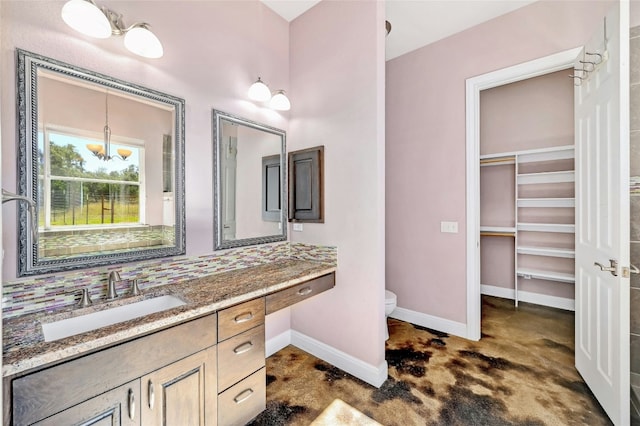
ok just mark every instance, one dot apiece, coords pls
pixel 250 197
pixel 103 159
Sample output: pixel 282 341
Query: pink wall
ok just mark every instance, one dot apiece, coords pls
pixel 425 119
pixel 337 87
pixel 529 114
pixel 213 51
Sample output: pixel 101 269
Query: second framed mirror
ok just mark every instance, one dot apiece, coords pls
pixel 250 196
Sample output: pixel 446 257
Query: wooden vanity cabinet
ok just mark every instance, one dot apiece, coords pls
pixel 98 383
pixel 207 371
pixel 241 363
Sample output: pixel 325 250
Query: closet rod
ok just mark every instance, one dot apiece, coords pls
pixel 497 234
pixel 497 160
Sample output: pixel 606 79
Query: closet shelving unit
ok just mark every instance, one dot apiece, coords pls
pixel 549 181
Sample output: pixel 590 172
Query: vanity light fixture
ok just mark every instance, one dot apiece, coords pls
pixel 279 101
pixel 89 19
pixel 103 152
pixel 260 92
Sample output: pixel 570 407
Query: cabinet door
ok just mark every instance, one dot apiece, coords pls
pixel 306 185
pixel 183 393
pixel 119 406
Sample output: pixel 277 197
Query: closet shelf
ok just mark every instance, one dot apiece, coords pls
pixel 546 177
pixel 547 251
pixel 547 227
pixel 547 154
pixel 546 202
pixel 546 275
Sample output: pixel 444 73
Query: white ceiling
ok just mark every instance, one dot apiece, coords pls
pixel 416 23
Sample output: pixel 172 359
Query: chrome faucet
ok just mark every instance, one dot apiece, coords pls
pixel 114 277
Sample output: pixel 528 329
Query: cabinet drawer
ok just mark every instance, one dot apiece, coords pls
pixel 242 402
pixel 239 318
pixel 295 294
pixel 240 356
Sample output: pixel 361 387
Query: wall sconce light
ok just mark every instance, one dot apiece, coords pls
pixel 89 19
pixel 260 92
pixel 103 152
pixel 280 102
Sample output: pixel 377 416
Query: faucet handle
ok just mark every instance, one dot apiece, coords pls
pixel 85 298
pixel 135 290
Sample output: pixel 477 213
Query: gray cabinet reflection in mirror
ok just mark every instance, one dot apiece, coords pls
pixel 103 159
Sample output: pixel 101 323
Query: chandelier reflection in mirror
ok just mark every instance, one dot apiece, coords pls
pixel 103 152
pixel 86 17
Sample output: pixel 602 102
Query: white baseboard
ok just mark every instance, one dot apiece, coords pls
pixel 277 343
pixel 371 374
pixel 529 297
pixel 441 324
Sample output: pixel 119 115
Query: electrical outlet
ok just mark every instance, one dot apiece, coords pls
pixel 449 227
pixel 298 227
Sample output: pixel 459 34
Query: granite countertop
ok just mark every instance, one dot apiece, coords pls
pixel 24 347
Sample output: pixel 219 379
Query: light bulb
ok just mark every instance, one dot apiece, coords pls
pixel 84 16
pixel 141 41
pixel 280 102
pixel 259 91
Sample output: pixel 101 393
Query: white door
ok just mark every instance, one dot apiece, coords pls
pixel 602 215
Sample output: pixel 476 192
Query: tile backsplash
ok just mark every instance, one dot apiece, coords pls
pixel 50 292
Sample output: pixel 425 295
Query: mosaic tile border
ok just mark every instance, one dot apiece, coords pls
pixel 52 292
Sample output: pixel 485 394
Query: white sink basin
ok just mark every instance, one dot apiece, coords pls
pixel 83 323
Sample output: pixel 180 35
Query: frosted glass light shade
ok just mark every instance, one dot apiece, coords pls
pixel 259 91
pixel 124 153
pixel 280 102
pixel 87 18
pixel 141 41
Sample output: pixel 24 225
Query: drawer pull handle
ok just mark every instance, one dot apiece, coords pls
pixel 243 396
pixel 132 405
pixel 244 317
pixel 305 291
pixel 152 394
pixel 245 347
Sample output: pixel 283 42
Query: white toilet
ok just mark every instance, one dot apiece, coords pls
pixel 390 303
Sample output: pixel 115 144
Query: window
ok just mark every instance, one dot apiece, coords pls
pixel 80 190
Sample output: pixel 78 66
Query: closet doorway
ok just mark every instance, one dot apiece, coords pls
pixel 527 191
pixel 522 72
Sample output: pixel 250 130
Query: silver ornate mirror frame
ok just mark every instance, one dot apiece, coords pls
pixel 28 64
pixel 219 241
